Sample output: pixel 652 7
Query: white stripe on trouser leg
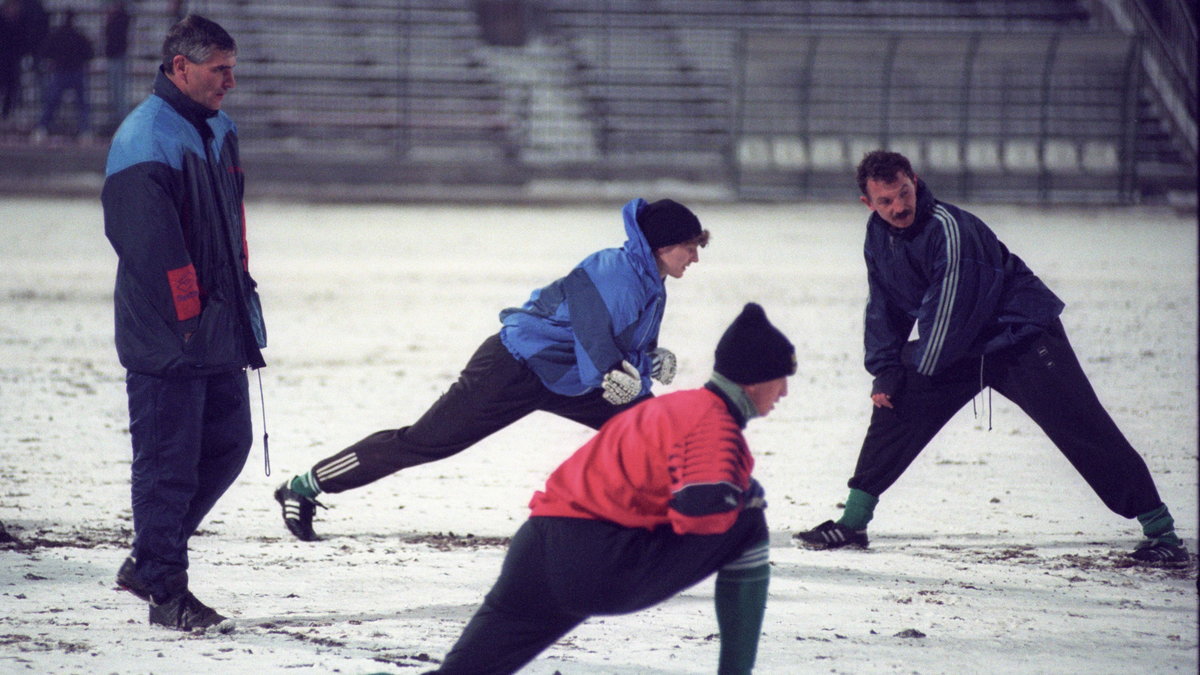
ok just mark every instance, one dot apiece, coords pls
pixel 335 469
pixel 755 556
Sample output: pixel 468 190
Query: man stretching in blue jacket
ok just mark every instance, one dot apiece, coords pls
pixel 984 320
pixel 583 347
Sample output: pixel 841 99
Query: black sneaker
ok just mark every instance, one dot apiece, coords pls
pixel 184 612
pixel 1161 552
pixel 298 511
pixel 831 535
pixel 127 581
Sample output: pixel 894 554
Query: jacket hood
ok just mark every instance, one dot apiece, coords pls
pixel 636 245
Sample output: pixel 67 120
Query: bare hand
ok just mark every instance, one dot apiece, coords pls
pixel 882 401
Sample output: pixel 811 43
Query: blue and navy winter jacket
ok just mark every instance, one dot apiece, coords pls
pixel 185 301
pixel 950 276
pixel 607 310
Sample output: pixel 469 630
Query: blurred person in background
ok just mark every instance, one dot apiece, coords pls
pixel 23 26
pixel 11 50
pixel 117 22
pixel 584 347
pixel 658 500
pixel 188 318
pixel 67 53
pixel 984 320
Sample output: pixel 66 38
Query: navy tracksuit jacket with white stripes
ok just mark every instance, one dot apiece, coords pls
pixel 950 276
pixel 984 320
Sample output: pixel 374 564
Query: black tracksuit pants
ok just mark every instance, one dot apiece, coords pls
pixel 560 571
pixel 1043 377
pixel 492 392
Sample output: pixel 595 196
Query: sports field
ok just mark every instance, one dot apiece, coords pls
pixel 990 555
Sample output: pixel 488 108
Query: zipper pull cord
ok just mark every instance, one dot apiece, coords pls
pixel 976 409
pixel 266 444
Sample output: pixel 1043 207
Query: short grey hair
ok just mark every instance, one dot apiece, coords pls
pixel 196 38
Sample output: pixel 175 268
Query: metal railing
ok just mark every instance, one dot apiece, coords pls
pixel 1168 58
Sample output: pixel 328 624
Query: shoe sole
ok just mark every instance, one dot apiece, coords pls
pixel 827 547
pixel 1163 564
pixel 800 542
pixel 299 534
pixel 225 627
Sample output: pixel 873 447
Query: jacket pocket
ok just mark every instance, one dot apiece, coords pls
pixel 254 309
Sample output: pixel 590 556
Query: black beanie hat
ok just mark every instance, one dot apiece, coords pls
pixel 666 222
pixel 753 351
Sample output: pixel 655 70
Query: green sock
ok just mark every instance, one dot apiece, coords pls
pixel 741 600
pixel 304 484
pixel 860 509
pixel 1158 524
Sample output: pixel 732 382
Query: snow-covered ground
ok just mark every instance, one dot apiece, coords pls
pixel 990 554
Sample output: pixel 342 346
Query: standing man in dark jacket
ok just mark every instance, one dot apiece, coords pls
pixel 660 499
pixel 12 47
pixel 117 23
pixel 68 52
pixel 188 319
pixel 984 320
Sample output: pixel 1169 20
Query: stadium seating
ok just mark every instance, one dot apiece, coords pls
pixel 1023 99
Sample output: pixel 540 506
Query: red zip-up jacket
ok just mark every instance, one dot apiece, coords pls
pixel 678 459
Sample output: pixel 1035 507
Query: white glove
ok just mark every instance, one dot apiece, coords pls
pixel 662 365
pixel 622 386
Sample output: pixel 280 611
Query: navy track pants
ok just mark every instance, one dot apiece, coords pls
pixel 191 437
pixel 1043 377
pixel 493 391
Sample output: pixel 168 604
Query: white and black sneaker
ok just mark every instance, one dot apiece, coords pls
pixel 298 511
pixel 1161 552
pixel 831 535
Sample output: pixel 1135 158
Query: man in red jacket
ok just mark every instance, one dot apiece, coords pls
pixel 659 499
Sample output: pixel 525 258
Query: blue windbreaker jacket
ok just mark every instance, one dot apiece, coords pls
pixel 950 276
pixel 173 212
pixel 608 309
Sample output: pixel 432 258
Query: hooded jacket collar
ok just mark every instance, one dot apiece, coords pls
pixel 636 245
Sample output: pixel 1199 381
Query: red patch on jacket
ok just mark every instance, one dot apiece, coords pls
pixel 185 292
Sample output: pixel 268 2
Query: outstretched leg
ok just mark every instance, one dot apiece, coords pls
pixel 492 392
pixel 894 439
pixel 1046 381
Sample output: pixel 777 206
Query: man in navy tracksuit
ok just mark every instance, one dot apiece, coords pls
pixel 584 347
pixel 984 320
pixel 188 319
